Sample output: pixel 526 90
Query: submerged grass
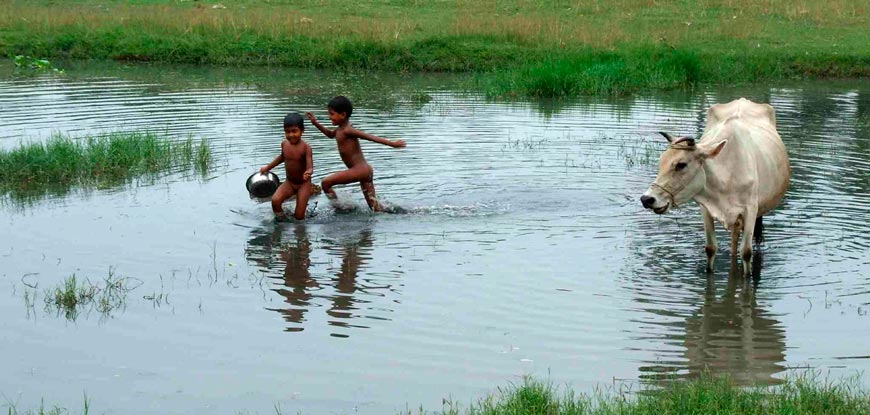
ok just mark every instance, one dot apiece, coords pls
pixel 518 47
pixel 802 394
pixel 42 410
pixel 74 296
pixel 62 162
pixel 636 150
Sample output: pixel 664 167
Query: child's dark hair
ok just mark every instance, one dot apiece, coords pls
pixel 294 119
pixel 340 104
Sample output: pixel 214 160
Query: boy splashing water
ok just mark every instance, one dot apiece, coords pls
pixel 298 163
pixel 347 138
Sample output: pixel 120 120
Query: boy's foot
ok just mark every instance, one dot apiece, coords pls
pixel 281 217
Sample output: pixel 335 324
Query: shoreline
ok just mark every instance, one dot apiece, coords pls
pixel 528 51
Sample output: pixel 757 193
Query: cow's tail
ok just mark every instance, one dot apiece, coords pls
pixel 758 232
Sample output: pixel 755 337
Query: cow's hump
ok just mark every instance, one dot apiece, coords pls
pixel 744 109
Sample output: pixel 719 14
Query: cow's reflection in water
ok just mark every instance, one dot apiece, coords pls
pixel 731 334
pixel 716 324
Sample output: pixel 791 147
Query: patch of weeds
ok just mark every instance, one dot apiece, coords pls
pixel 29 64
pixel 62 162
pixel 800 394
pixel 30 301
pixel 74 296
pixel 420 98
pixel 12 409
pixel 637 151
pixel 68 297
pixel 527 143
pixel 158 298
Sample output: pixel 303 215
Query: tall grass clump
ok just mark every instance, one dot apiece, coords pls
pixel 592 72
pixel 802 394
pixel 74 296
pixel 69 296
pixel 12 409
pixel 64 162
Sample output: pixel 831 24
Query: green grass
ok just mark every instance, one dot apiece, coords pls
pixel 42 410
pixel 30 65
pixel 804 394
pixel 515 47
pixel 74 296
pixel 69 296
pixel 596 73
pixel 63 163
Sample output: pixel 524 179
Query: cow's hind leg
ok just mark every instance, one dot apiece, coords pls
pixel 710 231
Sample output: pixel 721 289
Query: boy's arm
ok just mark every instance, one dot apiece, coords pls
pixel 327 132
pixel 371 137
pixel 278 160
pixel 309 158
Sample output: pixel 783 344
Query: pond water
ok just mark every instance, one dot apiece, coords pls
pixel 524 251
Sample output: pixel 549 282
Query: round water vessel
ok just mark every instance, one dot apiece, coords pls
pixel 261 185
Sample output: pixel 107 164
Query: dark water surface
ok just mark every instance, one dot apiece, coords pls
pixel 525 249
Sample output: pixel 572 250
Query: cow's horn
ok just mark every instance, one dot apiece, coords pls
pixel 668 136
pixel 689 141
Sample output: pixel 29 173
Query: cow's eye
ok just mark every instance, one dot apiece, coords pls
pixel 680 166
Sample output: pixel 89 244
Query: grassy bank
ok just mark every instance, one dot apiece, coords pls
pixel 801 395
pixel 63 162
pixel 517 48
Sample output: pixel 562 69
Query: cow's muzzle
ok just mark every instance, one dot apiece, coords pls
pixel 649 202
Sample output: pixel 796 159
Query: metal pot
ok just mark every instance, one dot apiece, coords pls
pixel 262 185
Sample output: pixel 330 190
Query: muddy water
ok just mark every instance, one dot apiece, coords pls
pixel 524 249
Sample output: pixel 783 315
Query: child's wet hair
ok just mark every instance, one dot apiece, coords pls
pixel 294 119
pixel 340 104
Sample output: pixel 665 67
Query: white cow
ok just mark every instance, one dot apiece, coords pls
pixel 737 171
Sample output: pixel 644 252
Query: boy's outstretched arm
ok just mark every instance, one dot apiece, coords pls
pixel 326 131
pixel 278 160
pixel 371 137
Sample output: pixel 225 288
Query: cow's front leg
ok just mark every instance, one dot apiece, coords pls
pixel 736 227
pixel 746 247
pixel 710 231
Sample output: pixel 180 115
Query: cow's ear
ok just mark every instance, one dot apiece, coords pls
pixel 716 149
pixel 667 136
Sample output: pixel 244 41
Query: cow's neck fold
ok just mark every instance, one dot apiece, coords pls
pixel 712 195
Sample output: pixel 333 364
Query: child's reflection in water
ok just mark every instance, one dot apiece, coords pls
pixel 354 255
pixel 300 289
pixel 298 283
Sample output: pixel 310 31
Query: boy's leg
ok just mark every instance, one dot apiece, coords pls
pixel 284 192
pixel 368 189
pixel 302 196
pixel 356 174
